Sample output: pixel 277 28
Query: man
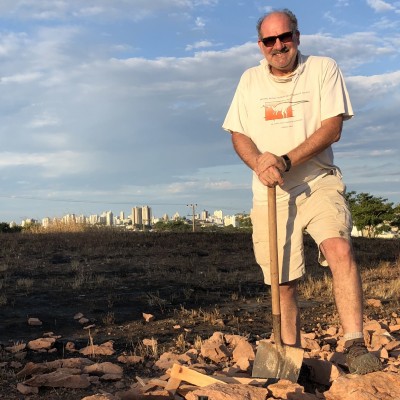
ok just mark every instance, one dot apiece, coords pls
pixel 284 117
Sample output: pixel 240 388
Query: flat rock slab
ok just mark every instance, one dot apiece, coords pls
pixel 377 386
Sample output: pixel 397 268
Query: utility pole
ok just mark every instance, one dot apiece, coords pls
pixel 193 213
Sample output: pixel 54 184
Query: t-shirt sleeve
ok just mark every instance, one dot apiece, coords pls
pixel 236 118
pixel 335 99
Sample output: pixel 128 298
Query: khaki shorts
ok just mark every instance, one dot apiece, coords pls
pixel 322 211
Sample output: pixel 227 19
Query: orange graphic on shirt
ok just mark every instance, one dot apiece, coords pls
pixel 278 111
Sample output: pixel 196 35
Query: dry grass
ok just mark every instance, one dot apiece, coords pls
pixel 382 281
pixel 312 287
pixel 59 227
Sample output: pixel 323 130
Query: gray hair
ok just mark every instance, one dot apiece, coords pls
pixel 285 11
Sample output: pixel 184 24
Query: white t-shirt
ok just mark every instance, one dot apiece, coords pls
pixel 279 113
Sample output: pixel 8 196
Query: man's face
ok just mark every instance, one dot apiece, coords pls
pixel 281 56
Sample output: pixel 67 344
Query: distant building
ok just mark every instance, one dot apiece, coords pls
pixel 146 215
pixel 204 215
pixel 109 218
pixel 137 216
pixel 218 214
pixel 231 220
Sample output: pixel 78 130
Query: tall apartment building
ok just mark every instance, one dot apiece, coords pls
pixel 137 216
pixel 146 215
pixel 109 218
pixel 204 215
pixel 218 214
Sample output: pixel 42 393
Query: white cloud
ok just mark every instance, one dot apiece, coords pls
pixel 352 50
pixel 199 45
pixel 200 23
pixel 63 9
pixel 380 5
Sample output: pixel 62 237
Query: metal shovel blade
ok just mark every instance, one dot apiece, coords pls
pixel 279 362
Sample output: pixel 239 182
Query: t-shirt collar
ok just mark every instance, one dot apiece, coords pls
pixel 288 78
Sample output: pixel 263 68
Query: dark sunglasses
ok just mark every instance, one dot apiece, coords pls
pixel 285 37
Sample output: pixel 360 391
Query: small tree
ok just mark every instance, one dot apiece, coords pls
pixel 370 213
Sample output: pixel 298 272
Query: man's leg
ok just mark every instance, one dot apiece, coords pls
pixel 348 297
pixel 290 318
pixel 347 288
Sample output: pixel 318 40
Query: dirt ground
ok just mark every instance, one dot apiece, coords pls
pixel 201 282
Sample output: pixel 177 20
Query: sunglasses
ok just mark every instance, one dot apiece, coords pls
pixel 285 37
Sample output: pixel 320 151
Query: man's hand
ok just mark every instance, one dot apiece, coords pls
pixel 271 177
pixel 269 169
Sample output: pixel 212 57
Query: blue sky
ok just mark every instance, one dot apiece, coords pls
pixel 109 105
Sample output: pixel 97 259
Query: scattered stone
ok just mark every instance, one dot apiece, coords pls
pixel 35 322
pixel 150 342
pixel 130 359
pixel 148 317
pixel 374 303
pixel 103 368
pixel 59 379
pixel 105 349
pixel 377 386
pixel 41 344
pixel 287 390
pixel 103 396
pixel 26 390
pixel 220 391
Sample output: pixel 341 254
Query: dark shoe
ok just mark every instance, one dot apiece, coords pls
pixel 359 360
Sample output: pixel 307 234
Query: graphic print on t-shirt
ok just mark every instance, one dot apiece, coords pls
pixel 281 110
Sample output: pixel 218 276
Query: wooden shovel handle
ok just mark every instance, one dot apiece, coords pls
pixel 273 253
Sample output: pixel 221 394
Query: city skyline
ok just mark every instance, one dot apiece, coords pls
pixel 105 104
pixel 139 215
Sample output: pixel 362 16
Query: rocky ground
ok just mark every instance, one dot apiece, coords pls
pixel 138 316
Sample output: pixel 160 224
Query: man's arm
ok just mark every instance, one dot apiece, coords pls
pixel 269 166
pixel 322 138
pixel 266 165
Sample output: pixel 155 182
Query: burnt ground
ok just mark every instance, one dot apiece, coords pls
pixel 202 282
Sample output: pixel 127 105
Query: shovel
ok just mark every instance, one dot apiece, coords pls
pixel 276 361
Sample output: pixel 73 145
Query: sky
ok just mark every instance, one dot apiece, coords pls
pixel 106 105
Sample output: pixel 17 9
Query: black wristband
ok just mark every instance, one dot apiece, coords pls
pixel 287 162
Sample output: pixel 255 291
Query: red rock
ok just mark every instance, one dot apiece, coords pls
pixel 243 350
pixel 103 368
pixel 59 379
pixel 394 344
pixel 214 351
pixel 377 386
pixel 394 328
pixel 232 392
pixel 41 344
pixel 150 342
pixel 331 331
pixel 310 344
pixel 105 349
pixel 148 317
pixel 374 303
pixel 103 396
pixel 25 390
pixel 167 359
pixel 130 359
pixel 35 322
pixel 287 390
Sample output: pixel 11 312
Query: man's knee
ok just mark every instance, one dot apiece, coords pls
pixel 339 246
